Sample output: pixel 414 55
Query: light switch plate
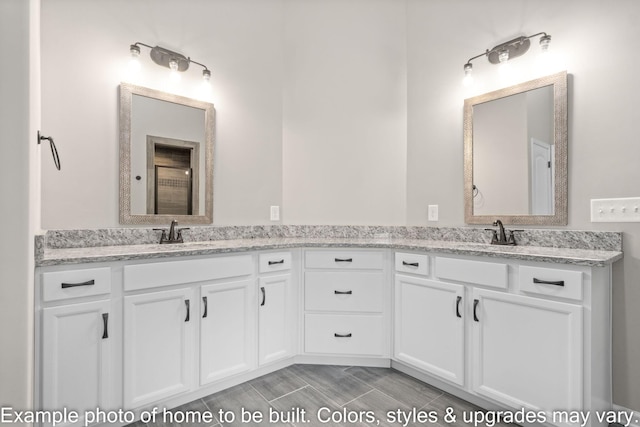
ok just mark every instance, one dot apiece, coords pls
pixel 615 210
pixel 432 214
pixel 275 213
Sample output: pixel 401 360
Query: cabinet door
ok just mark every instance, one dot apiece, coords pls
pixel 275 318
pixel 527 352
pixel 158 345
pixel 76 357
pixel 429 326
pixel 226 330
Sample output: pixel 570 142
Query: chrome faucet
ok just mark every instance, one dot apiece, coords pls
pixel 175 234
pixel 499 236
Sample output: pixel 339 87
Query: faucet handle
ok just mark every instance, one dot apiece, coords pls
pixel 163 237
pixel 512 237
pixel 179 238
pixel 494 236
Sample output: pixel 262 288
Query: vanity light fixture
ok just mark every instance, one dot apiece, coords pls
pixel 512 49
pixel 176 62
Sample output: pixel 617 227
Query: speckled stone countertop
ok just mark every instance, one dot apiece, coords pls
pixel 61 247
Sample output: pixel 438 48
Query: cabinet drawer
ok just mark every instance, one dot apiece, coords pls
pixel 343 291
pixel 152 275
pixel 551 281
pixel 76 283
pixel 373 260
pixel 412 263
pixel 274 261
pixel 491 274
pixel 344 334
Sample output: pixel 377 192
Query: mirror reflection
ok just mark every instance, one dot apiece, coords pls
pixel 166 157
pixel 515 154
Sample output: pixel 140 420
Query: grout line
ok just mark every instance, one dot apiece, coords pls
pixel 362 395
pixel 289 393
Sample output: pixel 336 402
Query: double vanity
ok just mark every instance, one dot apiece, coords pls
pixel 123 323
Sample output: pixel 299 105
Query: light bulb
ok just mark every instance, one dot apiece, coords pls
pixel 544 42
pixel 174 75
pixel 468 69
pixel 206 75
pixel 503 55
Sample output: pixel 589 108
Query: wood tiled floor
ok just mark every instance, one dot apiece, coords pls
pixel 330 390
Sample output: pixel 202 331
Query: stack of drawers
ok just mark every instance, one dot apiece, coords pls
pixel 345 295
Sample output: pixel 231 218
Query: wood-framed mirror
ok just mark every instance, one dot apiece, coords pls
pixel 166 157
pixel 515 154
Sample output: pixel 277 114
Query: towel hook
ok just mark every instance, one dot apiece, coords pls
pixel 54 150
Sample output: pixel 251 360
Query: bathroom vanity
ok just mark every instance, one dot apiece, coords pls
pixel 134 327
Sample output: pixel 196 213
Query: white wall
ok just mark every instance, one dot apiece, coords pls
pixel 588 40
pixel 85 56
pixel 344 142
pixel 19 106
pixel 348 111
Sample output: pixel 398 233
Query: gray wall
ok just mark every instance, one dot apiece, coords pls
pixel 347 111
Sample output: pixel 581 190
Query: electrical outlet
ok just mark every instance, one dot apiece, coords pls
pixel 432 214
pixel 275 213
pixel 615 210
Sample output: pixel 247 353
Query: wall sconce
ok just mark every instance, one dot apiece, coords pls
pixel 509 50
pixel 176 62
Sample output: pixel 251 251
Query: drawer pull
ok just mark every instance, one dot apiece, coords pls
pixel 411 264
pixel 343 292
pixel 264 296
pixel 458 299
pixel 276 262
pixel 549 282
pixel 206 306
pixel 343 259
pixel 105 325
pixel 337 335
pixel 73 285
pixel 188 304
pixel 475 310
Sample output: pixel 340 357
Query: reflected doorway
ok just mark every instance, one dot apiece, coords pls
pixel 172 176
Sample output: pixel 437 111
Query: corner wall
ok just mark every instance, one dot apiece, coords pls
pixel 19 115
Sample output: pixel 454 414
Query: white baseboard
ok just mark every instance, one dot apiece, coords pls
pixel 635 419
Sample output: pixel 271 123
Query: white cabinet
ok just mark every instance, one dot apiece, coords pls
pixel 346 295
pixel 76 350
pixel 277 307
pixel 527 352
pixel 275 318
pixel 429 326
pixel 226 329
pixel 518 334
pixel 158 345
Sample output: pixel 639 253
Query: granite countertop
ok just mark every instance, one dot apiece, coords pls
pixel 49 256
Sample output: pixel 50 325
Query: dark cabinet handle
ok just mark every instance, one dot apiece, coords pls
pixel 276 262
pixel 188 304
pixel 475 310
pixel 549 282
pixel 264 296
pixel 105 325
pixel 73 285
pixel 343 259
pixel 458 299
pixel 206 306
pixel 343 292
pixel 337 335
pixel 411 264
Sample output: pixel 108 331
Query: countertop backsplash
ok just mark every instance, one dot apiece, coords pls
pixel 574 239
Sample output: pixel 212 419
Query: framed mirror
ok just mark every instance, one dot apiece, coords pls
pixel 515 154
pixel 166 158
